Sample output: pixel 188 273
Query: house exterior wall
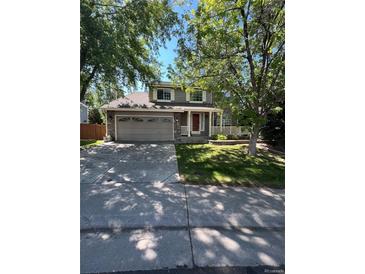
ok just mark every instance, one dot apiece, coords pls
pixel 180 98
pixel 209 97
pixel 184 119
pixel 83 114
pixel 180 119
pixel 177 125
pixel 150 96
pixel 206 131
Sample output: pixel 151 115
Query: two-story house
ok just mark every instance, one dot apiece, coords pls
pixel 165 113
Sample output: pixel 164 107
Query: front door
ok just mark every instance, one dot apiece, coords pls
pixel 196 121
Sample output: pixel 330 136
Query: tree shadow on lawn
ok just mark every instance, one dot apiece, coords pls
pixel 231 165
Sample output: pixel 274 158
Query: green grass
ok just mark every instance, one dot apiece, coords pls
pixel 90 143
pixel 214 164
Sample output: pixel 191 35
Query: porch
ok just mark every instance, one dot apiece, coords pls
pixel 207 123
pixel 199 123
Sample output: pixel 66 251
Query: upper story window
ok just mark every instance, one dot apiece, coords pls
pixel 164 95
pixel 196 96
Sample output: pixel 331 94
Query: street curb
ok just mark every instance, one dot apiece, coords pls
pixel 260 269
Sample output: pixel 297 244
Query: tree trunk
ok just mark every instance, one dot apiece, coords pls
pixel 83 91
pixel 86 83
pixel 253 141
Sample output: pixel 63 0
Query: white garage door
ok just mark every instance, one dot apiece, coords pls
pixel 145 128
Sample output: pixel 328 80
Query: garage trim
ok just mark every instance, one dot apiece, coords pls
pixel 116 129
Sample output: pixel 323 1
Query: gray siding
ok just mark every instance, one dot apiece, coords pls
pixel 83 114
pixel 180 96
pixel 206 132
pixel 209 97
pixel 184 119
pixel 177 125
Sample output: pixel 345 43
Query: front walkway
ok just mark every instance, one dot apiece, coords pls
pixel 129 223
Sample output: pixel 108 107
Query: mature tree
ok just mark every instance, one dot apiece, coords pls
pixel 95 116
pixel 236 47
pixel 97 97
pixel 119 39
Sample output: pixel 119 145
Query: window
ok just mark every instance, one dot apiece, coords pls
pixel 196 96
pixel 137 119
pixel 166 120
pixel 125 119
pixel 163 94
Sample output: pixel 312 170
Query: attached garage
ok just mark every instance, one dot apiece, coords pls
pixel 147 127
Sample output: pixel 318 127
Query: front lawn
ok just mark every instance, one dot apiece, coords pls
pixel 90 143
pixel 214 164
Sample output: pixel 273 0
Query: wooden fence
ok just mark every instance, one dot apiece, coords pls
pixel 92 131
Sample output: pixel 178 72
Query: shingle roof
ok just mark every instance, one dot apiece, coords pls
pixel 140 100
pixel 135 100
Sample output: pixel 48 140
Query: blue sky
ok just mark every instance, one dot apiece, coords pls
pixel 168 54
pixel 166 57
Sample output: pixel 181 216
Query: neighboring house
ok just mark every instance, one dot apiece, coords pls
pixel 165 113
pixel 84 112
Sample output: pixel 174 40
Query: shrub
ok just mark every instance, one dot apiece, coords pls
pixel 244 137
pixel 221 137
pixel 95 116
pixel 232 137
pixel 218 137
pixel 274 130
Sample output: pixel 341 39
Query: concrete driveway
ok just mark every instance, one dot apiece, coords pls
pixel 129 163
pixel 135 215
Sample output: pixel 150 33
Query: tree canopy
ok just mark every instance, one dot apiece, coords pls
pixel 95 116
pixel 119 40
pixel 236 48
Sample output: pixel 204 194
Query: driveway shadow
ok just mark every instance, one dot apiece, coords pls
pixel 126 205
pixel 134 215
pixel 245 247
pixel 140 249
pixel 129 163
pixel 213 206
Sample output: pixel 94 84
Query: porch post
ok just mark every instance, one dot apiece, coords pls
pixel 221 121
pixel 210 123
pixel 189 114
